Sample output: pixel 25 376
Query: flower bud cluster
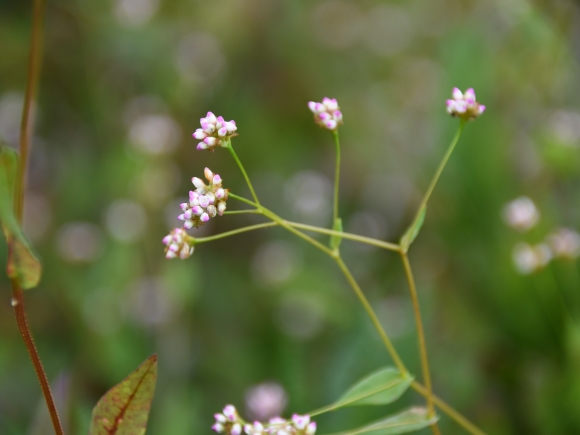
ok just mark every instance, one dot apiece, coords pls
pixel 205 202
pixel 326 114
pixel 464 106
pixel 177 244
pixel 230 423
pixel 214 131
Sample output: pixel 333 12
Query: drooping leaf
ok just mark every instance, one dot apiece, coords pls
pixel 413 230
pixel 23 264
pixel 335 240
pixel 124 409
pixel 379 388
pixel 411 420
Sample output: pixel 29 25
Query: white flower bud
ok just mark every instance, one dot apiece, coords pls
pixel 211 211
pixel 199 134
pixel 210 117
pixel 197 182
pixel 208 174
pixel 220 193
pixel 220 418
pixel 204 217
pixel 221 208
pixel 311 428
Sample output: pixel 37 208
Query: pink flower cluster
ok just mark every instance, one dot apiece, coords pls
pixel 230 423
pixel 214 131
pixel 326 114
pixel 205 202
pixel 177 244
pixel 464 106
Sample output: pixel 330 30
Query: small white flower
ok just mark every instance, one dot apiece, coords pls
pixel 529 259
pixel 464 106
pixel 214 132
pixel 300 421
pixel 565 243
pixel 521 213
pixel 326 114
pixel 311 428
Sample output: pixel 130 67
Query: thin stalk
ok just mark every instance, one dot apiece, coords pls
pixel 450 411
pixel 371 313
pixel 244 173
pixel 433 183
pixel 34 63
pixel 234 232
pixel 349 236
pixel 336 177
pixel 421 339
pixel 243 212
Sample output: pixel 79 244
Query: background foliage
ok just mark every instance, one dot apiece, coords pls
pixel 124 83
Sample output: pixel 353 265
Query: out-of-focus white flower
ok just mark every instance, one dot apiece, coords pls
pixel 565 243
pixel 205 202
pixel 230 423
pixel 326 114
pixel 464 106
pixel 521 213
pixel 214 132
pixel 266 400
pixel 178 244
pixel 528 259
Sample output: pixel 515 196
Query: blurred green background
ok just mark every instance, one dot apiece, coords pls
pixel 124 83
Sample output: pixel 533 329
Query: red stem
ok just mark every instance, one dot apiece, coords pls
pixel 34 61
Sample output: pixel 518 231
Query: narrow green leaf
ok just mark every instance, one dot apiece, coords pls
pixel 23 263
pixel 379 388
pixel 335 240
pixel 124 409
pixel 413 230
pixel 411 420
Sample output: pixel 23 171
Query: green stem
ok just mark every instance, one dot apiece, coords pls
pixel 244 173
pixel 421 338
pixel 447 409
pixel 336 177
pixel 371 313
pixel 243 212
pixel 349 236
pixel 244 200
pixel 26 128
pixel 438 172
pixel 233 232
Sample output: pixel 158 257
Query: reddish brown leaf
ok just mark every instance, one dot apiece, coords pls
pixel 124 409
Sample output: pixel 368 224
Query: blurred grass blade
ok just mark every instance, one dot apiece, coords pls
pixel 335 240
pixel 124 409
pixel 411 420
pixel 413 230
pixel 23 264
pixel 379 388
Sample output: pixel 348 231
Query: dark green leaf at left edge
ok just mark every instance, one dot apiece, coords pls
pixel 23 264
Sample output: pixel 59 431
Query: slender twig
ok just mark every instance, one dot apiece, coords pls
pixel 336 178
pixel 243 212
pixel 244 173
pixel 440 168
pixel 26 127
pixel 449 410
pixel 371 313
pixel 234 232
pixel 421 338
pixel 349 236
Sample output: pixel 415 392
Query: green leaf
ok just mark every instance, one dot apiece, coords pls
pixel 379 388
pixel 411 420
pixel 124 409
pixel 413 230
pixel 335 240
pixel 23 264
